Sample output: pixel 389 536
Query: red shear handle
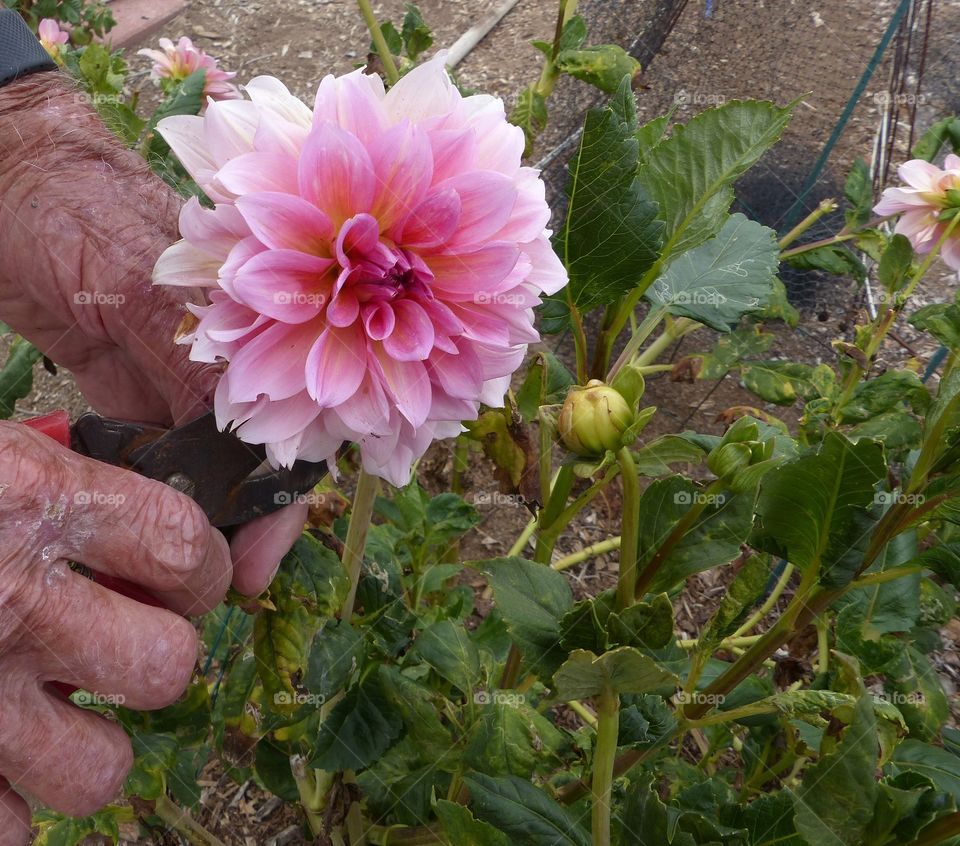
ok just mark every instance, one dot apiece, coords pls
pixel 56 425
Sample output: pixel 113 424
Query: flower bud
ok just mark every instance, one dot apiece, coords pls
pixel 593 419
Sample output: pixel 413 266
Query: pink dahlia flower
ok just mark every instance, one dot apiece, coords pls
pixel 51 36
pixel 177 61
pixel 929 192
pixel 371 265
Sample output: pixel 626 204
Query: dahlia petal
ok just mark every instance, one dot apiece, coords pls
pixel 255 172
pixel 471 276
pixel 460 375
pixel 229 127
pixel 336 365
pixel 218 229
pixel 951 162
pixel 403 166
pixel 354 103
pixel 895 200
pixel 486 203
pixel 335 173
pixel 367 412
pixel 530 214
pixel 279 136
pixel 547 272
pixel 183 264
pixel 423 93
pixel 358 242
pixel 279 420
pixel 271 95
pixel 378 320
pixel 272 363
pixel 344 309
pixel 185 135
pixel 408 383
pixel 433 221
pixel 499 144
pixel 284 284
pixel 283 221
pixel 494 391
pixel 454 151
pixel 950 253
pixel 920 174
pixel 412 335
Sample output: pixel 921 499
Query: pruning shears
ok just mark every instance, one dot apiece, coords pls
pixel 228 478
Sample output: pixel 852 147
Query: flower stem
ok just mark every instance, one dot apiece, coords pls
pixel 630 529
pixel 587 553
pixel 939 831
pixel 360 515
pixel 825 207
pixel 180 821
pixel 605 751
pixel 768 604
pixel 389 66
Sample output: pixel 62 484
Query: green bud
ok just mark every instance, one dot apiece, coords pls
pixel 728 459
pixel 593 419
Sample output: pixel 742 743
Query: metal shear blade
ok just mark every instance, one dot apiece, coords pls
pixel 214 468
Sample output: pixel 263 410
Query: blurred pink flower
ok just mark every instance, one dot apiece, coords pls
pixel 930 192
pixel 51 36
pixel 372 266
pixel 177 61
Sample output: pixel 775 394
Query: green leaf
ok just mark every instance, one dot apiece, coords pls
pixel 782 382
pixel 745 589
pixel 391 36
pixel 532 599
pixel 944 131
pixel 272 769
pixel 722 279
pixel 655 457
pixel 335 653
pixel 645 625
pixel 887 391
pixel 768 821
pixel 940 766
pixel 416 34
pixel 691 173
pixel 447 648
pixel 359 729
pixel 611 235
pixel 512 738
pixel 154 756
pixel 914 687
pixel 546 383
pixel 713 539
pixel 622 670
pixel 463 829
pixel 523 812
pixel 858 189
pixel 895 263
pixel 942 320
pixel 835 802
pixel 603 66
pixel 730 350
pixel 833 258
pixel 808 508
pixel 16 377
pixel 651 134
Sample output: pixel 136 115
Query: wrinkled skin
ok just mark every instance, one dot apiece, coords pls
pixel 81 223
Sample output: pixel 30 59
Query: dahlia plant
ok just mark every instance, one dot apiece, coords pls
pixel 373 272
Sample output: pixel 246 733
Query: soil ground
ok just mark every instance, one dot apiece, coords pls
pixel 774 49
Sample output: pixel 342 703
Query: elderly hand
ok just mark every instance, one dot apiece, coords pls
pixel 82 221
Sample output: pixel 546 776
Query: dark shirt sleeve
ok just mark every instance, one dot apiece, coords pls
pixel 20 52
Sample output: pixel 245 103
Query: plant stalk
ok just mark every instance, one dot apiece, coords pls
pixel 630 531
pixel 353 546
pixel 587 553
pixel 604 754
pixel 180 821
pixel 376 34
pixel 939 831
